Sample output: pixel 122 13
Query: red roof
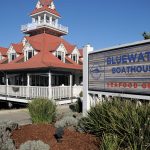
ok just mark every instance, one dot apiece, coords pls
pixel 45 8
pixel 18 47
pixel 3 51
pixel 41 60
pixel 49 42
pixel 45 44
pixel 45 2
pixel 5 60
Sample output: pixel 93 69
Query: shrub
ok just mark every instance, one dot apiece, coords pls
pixel 66 122
pixel 109 142
pixel 81 94
pixel 77 106
pixel 123 119
pixel 34 145
pixel 42 111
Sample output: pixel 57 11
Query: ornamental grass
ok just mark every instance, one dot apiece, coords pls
pixel 121 121
pixel 42 110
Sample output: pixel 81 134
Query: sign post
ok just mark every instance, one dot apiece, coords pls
pixel 86 100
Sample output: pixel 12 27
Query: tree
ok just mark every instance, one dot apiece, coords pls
pixel 146 35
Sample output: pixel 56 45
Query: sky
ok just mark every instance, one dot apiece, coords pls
pixel 100 23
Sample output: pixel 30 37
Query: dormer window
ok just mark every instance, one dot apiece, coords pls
pixel 29 54
pixel 60 55
pixel 12 56
pixel 74 57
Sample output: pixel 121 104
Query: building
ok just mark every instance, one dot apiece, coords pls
pixel 43 63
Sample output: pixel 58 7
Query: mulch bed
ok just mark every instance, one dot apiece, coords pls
pixel 71 140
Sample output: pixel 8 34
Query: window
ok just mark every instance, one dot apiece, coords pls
pixel 12 56
pixel 74 57
pixel 29 54
pixel 60 55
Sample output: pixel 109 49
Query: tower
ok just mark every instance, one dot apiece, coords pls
pixel 45 19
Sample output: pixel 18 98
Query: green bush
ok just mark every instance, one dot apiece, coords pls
pixel 123 119
pixel 42 110
pixel 109 142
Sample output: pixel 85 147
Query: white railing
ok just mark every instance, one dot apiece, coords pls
pixel 3 89
pixel 57 92
pixel 33 26
pixel 77 90
pixel 18 91
pixel 38 92
pixel 60 92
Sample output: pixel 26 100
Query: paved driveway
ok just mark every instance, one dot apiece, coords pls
pixel 21 116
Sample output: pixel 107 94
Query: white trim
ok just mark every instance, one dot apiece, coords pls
pixel 28 47
pixel 24 41
pixel 122 46
pixel 77 53
pixel 11 51
pixel 61 48
pixel 44 12
pixel 38 5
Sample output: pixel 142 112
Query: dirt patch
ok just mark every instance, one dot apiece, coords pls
pixel 71 140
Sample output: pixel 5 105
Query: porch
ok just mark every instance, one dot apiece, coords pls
pixel 27 86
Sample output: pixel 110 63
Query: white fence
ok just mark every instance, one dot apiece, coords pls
pixel 61 92
pixel 3 89
pixel 77 90
pixel 58 92
pixel 36 92
pixel 32 26
pixel 17 91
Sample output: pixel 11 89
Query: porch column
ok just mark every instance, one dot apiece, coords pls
pixel 56 22
pixel 33 20
pixel 50 86
pixel 6 86
pixel 28 86
pixel 71 86
pixel 39 19
pixel 50 19
pixel 44 18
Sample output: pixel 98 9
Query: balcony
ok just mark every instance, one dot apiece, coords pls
pixel 44 24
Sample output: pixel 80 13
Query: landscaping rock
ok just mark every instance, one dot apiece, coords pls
pixel 66 122
pixel 8 145
pixel 34 145
pixel 6 127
